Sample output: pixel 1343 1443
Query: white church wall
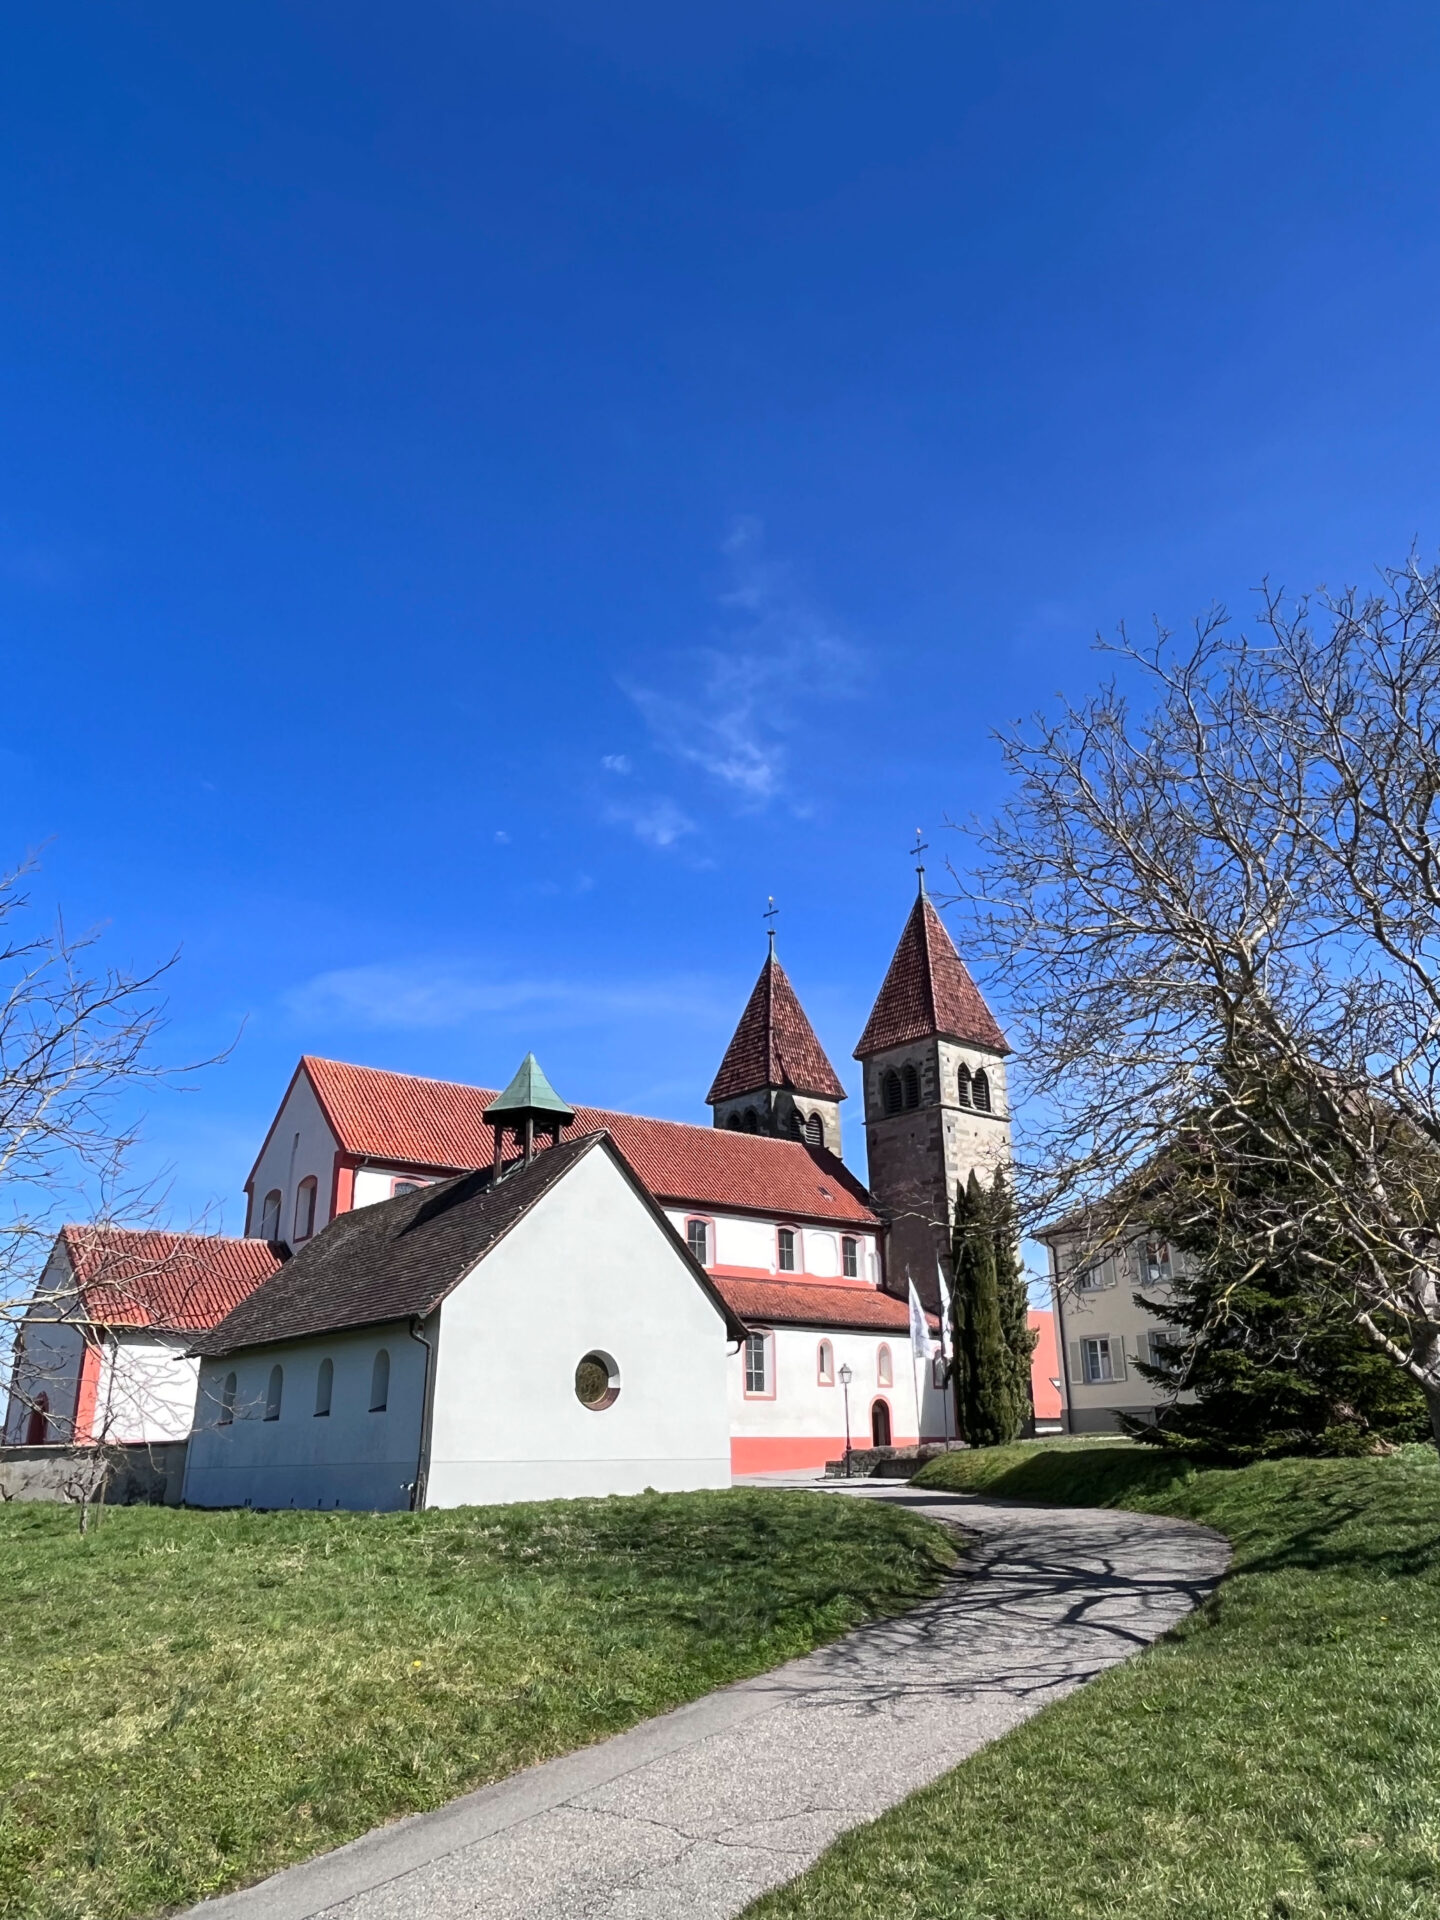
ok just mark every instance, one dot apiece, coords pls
pixel 300 1145
pixel 800 1423
pixel 589 1269
pixel 146 1391
pixel 378 1183
pixel 742 1243
pixel 351 1457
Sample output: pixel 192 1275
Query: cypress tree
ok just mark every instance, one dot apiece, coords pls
pixel 1014 1297
pixel 982 1361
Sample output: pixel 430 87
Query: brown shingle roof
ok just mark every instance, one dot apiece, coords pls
pixel 399 1258
pixel 928 991
pixel 774 1046
pixel 172 1282
pixel 408 1121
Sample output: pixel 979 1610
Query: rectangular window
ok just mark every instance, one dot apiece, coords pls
pixel 757 1367
pixel 849 1258
pixel 1092 1279
pixel 697 1237
pixel 785 1246
pixel 1158 1350
pixel 1097 1361
pixel 1154 1263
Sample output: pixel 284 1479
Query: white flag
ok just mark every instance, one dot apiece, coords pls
pixel 919 1332
pixel 944 1314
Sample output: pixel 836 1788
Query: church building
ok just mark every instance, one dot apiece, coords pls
pixel 773 1277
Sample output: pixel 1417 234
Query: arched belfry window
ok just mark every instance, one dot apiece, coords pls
pixel 270 1216
pixel 752 1120
pixel 962 1086
pixel 890 1096
pixel 980 1090
pixel 733 1123
pixel 815 1131
pixel 795 1126
pixel 910 1082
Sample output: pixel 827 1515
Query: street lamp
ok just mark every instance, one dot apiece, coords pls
pixel 846 1376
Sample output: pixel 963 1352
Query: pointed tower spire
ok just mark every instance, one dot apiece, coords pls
pixel 928 992
pixel 775 1077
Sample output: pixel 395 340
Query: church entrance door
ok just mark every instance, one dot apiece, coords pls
pixel 879 1424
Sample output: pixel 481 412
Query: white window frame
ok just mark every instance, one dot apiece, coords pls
pixel 762 1343
pixel 1103 1346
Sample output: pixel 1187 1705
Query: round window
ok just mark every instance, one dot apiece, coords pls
pixel 597 1382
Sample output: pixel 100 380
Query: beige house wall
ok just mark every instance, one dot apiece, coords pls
pixel 1105 1310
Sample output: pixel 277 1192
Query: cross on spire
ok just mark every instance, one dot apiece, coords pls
pixel 922 845
pixel 770 915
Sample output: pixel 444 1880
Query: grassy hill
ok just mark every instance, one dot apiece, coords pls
pixel 194 1699
pixel 1276 1758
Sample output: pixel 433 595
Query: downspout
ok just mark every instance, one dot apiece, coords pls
pixel 422 1463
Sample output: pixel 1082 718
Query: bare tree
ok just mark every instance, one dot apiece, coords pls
pixel 1216 905
pixel 77 1044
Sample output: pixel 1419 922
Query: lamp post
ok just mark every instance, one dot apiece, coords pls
pixel 846 1376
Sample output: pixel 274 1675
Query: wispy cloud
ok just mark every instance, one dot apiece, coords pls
pixel 412 995
pixel 733 706
pixel 659 823
pixel 615 762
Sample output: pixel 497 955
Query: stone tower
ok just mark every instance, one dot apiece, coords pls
pixel 775 1078
pixel 935 1102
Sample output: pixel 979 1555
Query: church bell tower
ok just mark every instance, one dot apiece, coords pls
pixel 775 1078
pixel 933 1061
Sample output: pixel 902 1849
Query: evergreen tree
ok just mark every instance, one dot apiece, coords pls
pixel 984 1392
pixel 1275 1366
pixel 1014 1297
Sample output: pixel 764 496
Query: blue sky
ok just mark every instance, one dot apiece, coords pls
pixel 492 492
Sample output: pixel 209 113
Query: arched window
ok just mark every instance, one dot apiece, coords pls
pixel 270 1216
pixel 795 1125
pixel 879 1424
pixel 273 1393
pixel 324 1388
pixel 733 1123
pixel 37 1427
pixel 785 1249
pixel 850 1258
pixel 884 1368
pixel 825 1364
pixel 815 1131
pixel 751 1123
pixel 937 1371
pixel 962 1086
pixel 227 1401
pixel 697 1238
pixel 305 1209
pixel 910 1081
pixel 380 1382
pixel 890 1098
pixel 980 1090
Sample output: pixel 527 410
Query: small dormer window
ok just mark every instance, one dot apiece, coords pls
pixel 980 1090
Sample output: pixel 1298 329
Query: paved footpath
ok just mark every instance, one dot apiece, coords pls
pixel 690 1816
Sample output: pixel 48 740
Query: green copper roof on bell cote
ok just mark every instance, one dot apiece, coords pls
pixel 530 1092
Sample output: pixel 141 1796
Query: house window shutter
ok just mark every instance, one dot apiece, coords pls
pixel 1077 1364
pixel 1117 1356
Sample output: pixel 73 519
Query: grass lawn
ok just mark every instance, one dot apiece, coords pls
pixel 1276 1758
pixel 192 1699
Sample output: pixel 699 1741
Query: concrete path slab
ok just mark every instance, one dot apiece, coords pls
pixel 697 1812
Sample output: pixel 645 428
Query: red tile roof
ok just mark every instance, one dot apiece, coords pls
pixel 928 991
pixel 805 1303
pixel 407 1121
pixel 774 1046
pixel 174 1282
